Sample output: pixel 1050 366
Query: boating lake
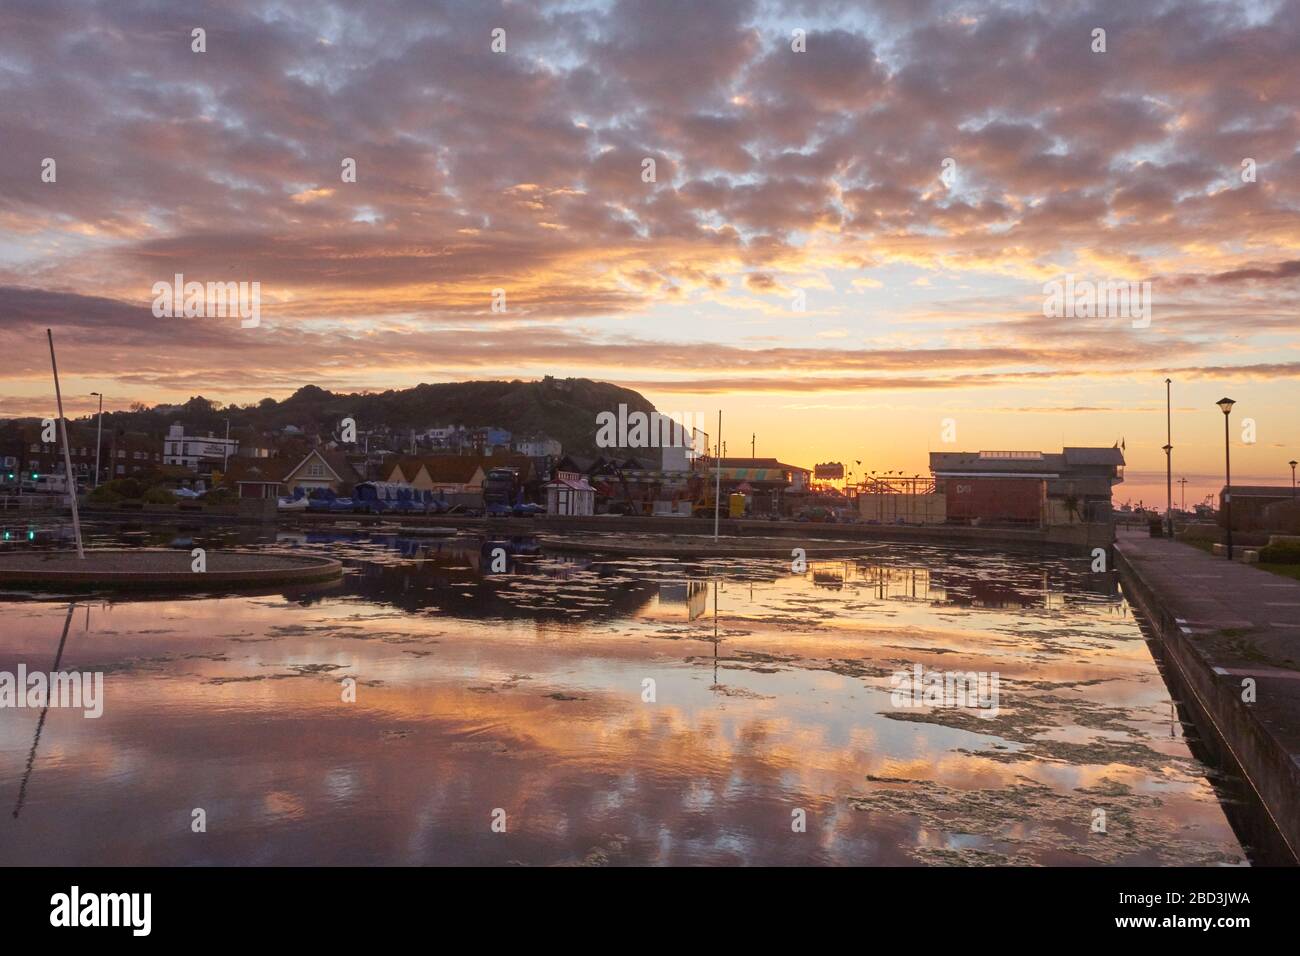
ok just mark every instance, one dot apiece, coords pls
pixel 622 711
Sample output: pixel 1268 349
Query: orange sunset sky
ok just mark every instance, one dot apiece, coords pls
pixel 783 177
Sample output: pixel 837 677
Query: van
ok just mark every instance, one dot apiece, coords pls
pixel 52 485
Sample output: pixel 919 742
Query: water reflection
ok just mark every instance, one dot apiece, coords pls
pixel 40 723
pixel 693 594
pixel 526 689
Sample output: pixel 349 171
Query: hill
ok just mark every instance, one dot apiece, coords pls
pixel 563 409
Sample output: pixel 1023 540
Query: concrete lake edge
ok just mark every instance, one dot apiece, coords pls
pixel 22 570
pixel 1233 729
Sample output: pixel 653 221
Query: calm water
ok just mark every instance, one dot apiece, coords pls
pixel 522 695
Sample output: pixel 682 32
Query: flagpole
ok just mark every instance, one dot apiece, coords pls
pixel 67 455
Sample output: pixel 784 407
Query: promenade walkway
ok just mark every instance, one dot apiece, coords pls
pixel 1224 624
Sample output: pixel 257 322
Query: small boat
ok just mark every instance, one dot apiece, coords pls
pixel 291 504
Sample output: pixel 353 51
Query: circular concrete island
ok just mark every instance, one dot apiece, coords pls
pixel 162 569
pixel 703 546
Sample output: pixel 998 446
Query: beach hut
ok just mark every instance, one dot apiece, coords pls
pixel 570 494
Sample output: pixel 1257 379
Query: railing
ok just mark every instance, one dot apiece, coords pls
pixel 34 502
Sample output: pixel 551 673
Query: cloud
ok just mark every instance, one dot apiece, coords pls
pixel 522 171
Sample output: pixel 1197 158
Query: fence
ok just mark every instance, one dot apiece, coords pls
pixel 34 502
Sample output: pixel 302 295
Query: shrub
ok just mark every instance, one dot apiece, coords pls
pixel 1285 552
pixel 158 495
pixel 105 495
pixel 117 490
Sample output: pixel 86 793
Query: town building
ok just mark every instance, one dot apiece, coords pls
pixel 538 447
pixel 1249 504
pixel 256 477
pixel 202 454
pixel 453 474
pixel 131 454
pixel 448 474
pixel 443 436
pixel 322 469
pixel 1072 485
pixel 24 453
pixel 488 441
pixel 251 443
pixel 765 482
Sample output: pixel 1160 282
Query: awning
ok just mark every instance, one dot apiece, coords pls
pixel 579 485
pixel 771 475
pixel 644 475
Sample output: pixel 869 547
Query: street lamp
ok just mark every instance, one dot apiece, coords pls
pixel 1292 463
pixel 1225 405
pixel 99 436
pixel 1169 461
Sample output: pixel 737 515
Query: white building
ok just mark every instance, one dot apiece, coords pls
pixel 539 447
pixel 442 436
pixel 569 494
pixel 191 450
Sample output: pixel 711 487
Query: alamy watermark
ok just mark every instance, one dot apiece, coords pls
pixel 76 690
pixel 213 300
pixel 1110 298
pixel 654 430
pixel 965 690
pixel 133 911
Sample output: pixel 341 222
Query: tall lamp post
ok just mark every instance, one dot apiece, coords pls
pixel 1225 405
pixel 1169 463
pixel 717 481
pixel 1292 463
pixel 99 436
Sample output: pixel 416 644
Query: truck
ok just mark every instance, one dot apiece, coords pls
pixel 500 491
